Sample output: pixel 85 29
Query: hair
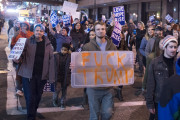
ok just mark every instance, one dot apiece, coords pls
pixel 142 24
pixel 66 45
pixel 39 25
pixel 99 23
pixel 147 36
pixel 156 50
pixel 81 30
pixel 87 37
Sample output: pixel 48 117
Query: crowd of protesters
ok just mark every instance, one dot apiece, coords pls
pixel 47 56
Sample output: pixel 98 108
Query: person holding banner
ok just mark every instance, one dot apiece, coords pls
pixel 100 99
pixel 23 33
pixel 37 66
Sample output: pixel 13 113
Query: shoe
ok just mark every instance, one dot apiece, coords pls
pixel 55 103
pixel 19 93
pixel 62 107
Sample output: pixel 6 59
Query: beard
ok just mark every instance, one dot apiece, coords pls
pixel 100 36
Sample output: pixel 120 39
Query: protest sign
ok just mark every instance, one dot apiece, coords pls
pixel 102 68
pixel 169 18
pixel 66 20
pixel 69 7
pixel 53 18
pixel 49 87
pixel 17 49
pixel 119 14
pixel 116 38
pixel 151 18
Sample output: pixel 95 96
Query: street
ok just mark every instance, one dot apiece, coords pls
pixel 13 108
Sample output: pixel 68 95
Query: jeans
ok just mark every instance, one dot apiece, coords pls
pixel 100 102
pixel 33 90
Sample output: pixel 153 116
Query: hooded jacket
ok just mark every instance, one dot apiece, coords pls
pixel 169 105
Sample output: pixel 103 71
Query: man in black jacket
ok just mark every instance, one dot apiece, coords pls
pixel 160 69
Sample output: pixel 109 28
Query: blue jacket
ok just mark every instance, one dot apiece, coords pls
pixel 143 46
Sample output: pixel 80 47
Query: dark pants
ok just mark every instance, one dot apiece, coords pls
pixel 154 116
pixel 33 90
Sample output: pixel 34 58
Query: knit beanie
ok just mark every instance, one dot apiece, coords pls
pixel 66 28
pixel 168 39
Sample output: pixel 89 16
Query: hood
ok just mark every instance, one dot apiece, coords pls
pixel 26 24
pixel 178 66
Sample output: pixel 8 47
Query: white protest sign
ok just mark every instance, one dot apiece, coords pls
pixel 69 7
pixel 102 68
pixel 169 18
pixel 17 49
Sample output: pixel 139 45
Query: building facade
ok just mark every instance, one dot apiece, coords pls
pixel 138 10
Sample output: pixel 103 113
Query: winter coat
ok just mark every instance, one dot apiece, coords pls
pixel 139 36
pixel 28 57
pixel 157 74
pixel 169 103
pixel 77 39
pixel 62 63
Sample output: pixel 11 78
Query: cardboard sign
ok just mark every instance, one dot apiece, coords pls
pixel 53 18
pixel 169 18
pixel 116 38
pixel 119 13
pixel 49 87
pixel 17 49
pixel 66 20
pixel 69 7
pixel 102 68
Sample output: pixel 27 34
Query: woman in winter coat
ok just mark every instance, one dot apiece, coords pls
pixel 78 36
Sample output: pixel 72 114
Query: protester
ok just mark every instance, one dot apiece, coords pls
pixel 78 36
pixel 140 33
pixel 160 69
pixel 36 68
pixel 61 36
pixel 23 33
pixel 14 31
pixel 150 43
pixel 169 102
pixel 62 64
pixel 90 36
pixel 100 99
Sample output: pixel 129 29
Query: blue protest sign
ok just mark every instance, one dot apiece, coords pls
pixel 151 18
pixel 49 87
pixel 53 18
pixel 66 20
pixel 169 18
pixel 116 37
pixel 119 14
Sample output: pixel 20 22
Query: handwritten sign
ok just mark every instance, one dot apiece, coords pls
pixel 119 14
pixel 116 38
pixel 69 7
pixel 53 18
pixel 102 69
pixel 169 18
pixel 66 20
pixel 17 49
